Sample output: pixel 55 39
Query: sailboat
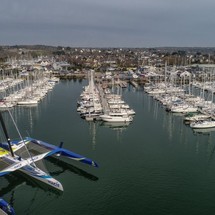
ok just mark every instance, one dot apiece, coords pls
pixel 26 155
pixel 195 117
pixel 11 161
pixel 203 124
pixel 116 117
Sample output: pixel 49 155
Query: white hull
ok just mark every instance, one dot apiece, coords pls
pixel 43 177
pixel 156 92
pixel 203 124
pixel 30 102
pixel 197 117
pixel 108 118
pixel 26 167
pixel 184 110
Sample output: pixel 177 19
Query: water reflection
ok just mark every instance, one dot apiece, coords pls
pixel 155 112
pixel 64 166
pixel 23 115
pixel 9 183
pixel 199 141
pixel 211 151
pixel 92 128
pixel 116 125
pixel 204 131
pixel 10 191
pixel 8 186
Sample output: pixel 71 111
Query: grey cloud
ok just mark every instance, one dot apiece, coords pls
pixel 108 23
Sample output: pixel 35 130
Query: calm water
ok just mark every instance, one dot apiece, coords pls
pixel 157 165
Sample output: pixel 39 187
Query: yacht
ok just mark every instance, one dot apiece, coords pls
pixel 184 108
pixel 116 117
pixel 195 117
pixel 203 124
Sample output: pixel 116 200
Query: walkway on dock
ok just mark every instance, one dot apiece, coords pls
pixel 104 102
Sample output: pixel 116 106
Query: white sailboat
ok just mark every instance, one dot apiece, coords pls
pixel 203 124
pixel 116 117
pixel 184 108
pixel 26 155
pixel 196 117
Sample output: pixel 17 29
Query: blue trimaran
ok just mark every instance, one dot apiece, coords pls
pixel 26 155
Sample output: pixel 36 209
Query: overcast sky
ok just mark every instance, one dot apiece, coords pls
pixel 112 23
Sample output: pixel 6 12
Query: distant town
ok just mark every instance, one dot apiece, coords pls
pixel 139 64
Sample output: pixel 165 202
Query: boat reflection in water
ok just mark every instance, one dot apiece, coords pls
pixel 11 183
pixel 65 166
pixel 10 191
pixel 203 130
pixel 116 125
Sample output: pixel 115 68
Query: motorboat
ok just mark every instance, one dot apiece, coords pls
pixel 195 117
pixel 203 124
pixel 116 117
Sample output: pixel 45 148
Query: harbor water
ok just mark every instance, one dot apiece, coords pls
pixel 155 165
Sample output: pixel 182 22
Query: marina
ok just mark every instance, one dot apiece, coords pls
pixel 155 158
pixel 97 103
pixel 107 108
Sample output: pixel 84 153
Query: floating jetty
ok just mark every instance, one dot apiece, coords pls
pixel 98 103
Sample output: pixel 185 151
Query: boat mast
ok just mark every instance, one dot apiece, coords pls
pixel 33 163
pixel 6 134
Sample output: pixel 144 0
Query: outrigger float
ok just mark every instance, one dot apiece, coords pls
pixel 6 208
